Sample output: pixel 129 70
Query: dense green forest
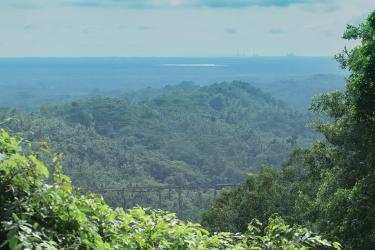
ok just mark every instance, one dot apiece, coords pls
pixel 329 186
pixel 192 135
pixel 186 135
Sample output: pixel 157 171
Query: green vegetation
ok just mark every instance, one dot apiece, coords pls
pixel 187 135
pixel 331 185
pixel 40 214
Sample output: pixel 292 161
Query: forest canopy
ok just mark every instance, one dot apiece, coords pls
pixel 185 135
pixel 190 134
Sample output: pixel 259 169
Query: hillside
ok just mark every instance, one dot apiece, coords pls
pixel 296 93
pixel 195 135
pixel 201 134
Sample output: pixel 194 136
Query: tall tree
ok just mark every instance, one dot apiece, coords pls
pixel 345 200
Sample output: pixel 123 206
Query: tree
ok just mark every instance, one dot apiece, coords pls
pixel 344 202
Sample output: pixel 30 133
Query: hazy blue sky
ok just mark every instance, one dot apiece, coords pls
pixel 176 27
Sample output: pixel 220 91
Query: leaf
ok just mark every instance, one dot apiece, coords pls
pixel 2 157
pixel 57 157
pixel 337 245
pixel 40 168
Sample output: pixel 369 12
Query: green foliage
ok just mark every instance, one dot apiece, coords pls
pixel 278 235
pixel 344 201
pixel 259 197
pixel 37 215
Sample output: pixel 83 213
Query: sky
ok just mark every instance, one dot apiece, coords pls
pixel 173 28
